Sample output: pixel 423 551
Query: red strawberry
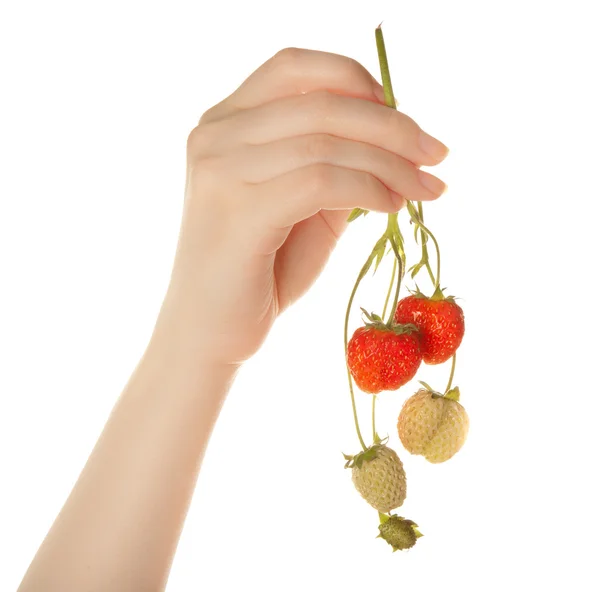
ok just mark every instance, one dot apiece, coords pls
pixel 382 357
pixel 440 320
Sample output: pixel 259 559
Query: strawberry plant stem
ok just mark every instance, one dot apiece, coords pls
pixel 389 292
pixel 437 252
pixel 395 239
pixel 387 299
pixel 425 255
pixel 384 68
pixel 390 101
pixel 451 373
pixel 352 294
pixel 373 418
pixel 397 295
pixel 393 230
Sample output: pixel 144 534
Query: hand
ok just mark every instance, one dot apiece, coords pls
pixel 272 174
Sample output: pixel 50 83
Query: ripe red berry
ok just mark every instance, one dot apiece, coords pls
pixel 441 323
pixel 382 358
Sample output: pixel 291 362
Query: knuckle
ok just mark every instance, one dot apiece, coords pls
pixel 195 139
pixel 322 178
pixel 321 104
pixel 355 69
pixel 200 139
pixel 288 56
pixel 319 147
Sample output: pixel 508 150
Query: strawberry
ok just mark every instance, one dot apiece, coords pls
pixel 433 425
pixel 383 357
pixel 440 321
pixel 378 475
pixel 399 532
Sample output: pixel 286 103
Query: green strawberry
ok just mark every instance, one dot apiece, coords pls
pixel 379 477
pixel 433 425
pixel 399 532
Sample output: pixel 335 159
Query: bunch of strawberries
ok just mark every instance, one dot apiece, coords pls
pixel 385 355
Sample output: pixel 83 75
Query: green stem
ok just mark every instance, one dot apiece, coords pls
pixel 437 252
pixel 352 294
pixel 373 418
pixel 424 253
pixel 395 237
pixel 400 274
pixel 385 70
pixel 451 373
pixel 393 230
pixel 389 292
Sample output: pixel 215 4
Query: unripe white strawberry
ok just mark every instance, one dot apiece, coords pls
pixel 379 477
pixel 433 425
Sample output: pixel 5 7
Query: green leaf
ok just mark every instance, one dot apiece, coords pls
pixel 366 266
pixel 404 328
pixel 426 386
pixel 356 213
pixel 415 269
pixel 371 316
pixel 380 253
pixel 379 245
pixel 438 295
pixel 377 441
pixel 453 394
pixel 412 212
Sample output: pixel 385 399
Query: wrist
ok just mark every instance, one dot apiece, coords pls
pixel 179 351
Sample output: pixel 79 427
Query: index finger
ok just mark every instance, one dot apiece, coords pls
pixel 294 71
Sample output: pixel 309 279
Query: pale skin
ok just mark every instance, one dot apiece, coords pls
pixel 273 171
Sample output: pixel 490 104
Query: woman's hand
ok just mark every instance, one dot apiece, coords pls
pixel 272 174
pixel 273 171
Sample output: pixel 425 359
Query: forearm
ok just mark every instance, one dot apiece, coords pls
pixel 119 528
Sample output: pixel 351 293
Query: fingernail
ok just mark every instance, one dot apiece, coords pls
pixel 433 184
pixel 433 147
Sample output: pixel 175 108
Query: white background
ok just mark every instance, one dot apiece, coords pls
pixel 97 100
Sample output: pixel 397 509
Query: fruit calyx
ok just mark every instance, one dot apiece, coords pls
pixel 453 394
pixel 437 296
pixel 397 531
pixel 364 456
pixel 376 322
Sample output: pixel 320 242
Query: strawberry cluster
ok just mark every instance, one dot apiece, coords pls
pixel 385 355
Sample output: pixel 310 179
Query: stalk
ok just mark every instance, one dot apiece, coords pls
pixel 389 292
pixel 373 418
pixel 424 253
pixel 451 373
pixel 437 252
pixel 352 294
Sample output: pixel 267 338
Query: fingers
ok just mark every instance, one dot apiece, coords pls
pixel 301 193
pixel 324 112
pixel 257 164
pixel 295 71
